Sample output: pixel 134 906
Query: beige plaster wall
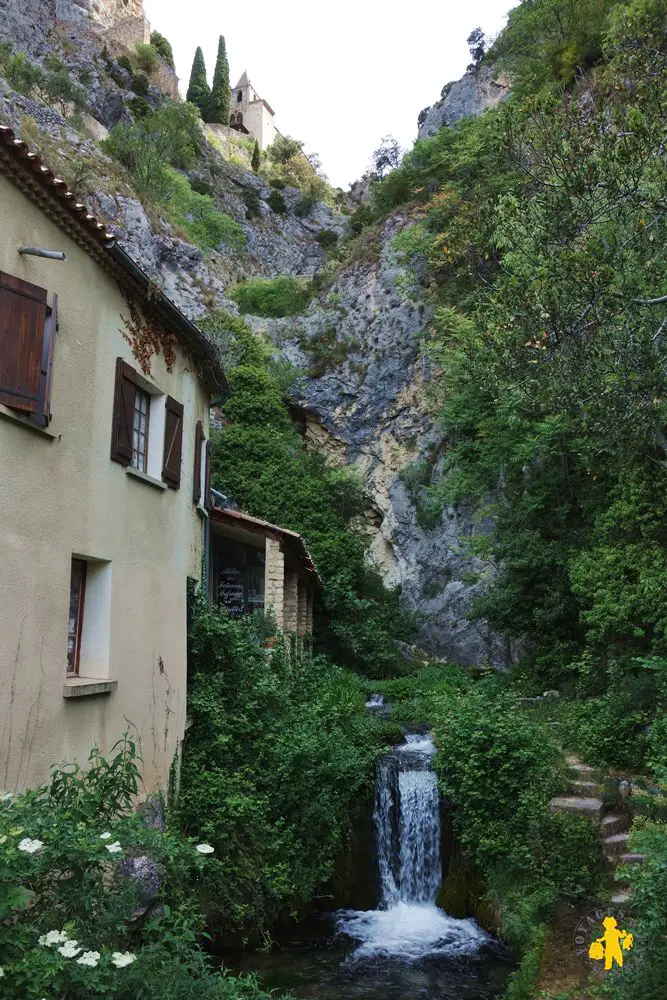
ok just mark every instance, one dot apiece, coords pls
pixel 259 123
pixel 64 496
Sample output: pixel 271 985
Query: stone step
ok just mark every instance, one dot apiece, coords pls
pixel 582 772
pixel 588 789
pixel 631 859
pixel 614 823
pixel 582 806
pixel 614 846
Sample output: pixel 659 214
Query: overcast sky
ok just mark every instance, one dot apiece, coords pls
pixel 339 76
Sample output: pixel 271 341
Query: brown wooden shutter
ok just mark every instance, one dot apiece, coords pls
pixel 207 478
pixel 173 443
pixel 23 313
pixel 199 440
pixel 123 413
pixel 50 327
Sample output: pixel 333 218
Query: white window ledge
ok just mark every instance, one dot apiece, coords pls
pixel 149 480
pixel 18 418
pixel 83 687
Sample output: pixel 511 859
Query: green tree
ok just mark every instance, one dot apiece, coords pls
pixel 256 157
pixel 199 92
pixel 163 47
pixel 219 108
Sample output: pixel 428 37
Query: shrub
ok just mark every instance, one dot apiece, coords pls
pixel 278 815
pixel 147 57
pixel 163 47
pixel 251 201
pixel 140 84
pixel 327 239
pixel 126 63
pixel 68 873
pixel 276 202
pixel 304 205
pixel 276 183
pixel 272 296
pixel 198 216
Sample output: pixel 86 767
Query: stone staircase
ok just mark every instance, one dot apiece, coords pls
pixel 583 800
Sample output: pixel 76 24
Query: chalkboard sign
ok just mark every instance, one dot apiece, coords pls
pixel 231 590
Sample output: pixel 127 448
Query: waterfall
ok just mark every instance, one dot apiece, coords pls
pixel 406 817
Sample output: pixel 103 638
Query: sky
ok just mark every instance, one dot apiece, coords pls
pixel 339 76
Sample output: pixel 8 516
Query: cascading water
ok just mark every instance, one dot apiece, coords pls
pixel 408 924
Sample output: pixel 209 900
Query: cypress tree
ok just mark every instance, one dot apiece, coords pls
pixel 220 105
pixel 256 158
pixel 199 92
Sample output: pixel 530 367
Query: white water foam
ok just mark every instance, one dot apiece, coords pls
pixel 409 932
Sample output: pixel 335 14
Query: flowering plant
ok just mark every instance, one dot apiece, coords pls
pixel 94 900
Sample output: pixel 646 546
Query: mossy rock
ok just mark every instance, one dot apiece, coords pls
pixel 454 895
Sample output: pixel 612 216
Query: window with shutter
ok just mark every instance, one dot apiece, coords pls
pixel 122 430
pixel 27 335
pixel 173 443
pixel 199 441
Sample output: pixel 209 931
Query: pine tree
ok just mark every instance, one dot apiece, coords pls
pixel 199 92
pixel 220 104
pixel 256 158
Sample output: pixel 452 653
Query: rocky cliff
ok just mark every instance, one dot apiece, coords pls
pixel 473 94
pixel 363 398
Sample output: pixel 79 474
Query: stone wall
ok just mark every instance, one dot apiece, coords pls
pixel 123 21
pixel 274 585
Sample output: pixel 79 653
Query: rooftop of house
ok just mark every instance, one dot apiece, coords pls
pixel 293 540
pixel 31 176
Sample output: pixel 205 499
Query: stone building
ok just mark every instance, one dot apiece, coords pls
pixel 252 114
pixel 122 21
pixel 257 566
pixel 103 496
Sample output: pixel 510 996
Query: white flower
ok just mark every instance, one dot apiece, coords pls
pixel 69 949
pixel 105 836
pixel 205 849
pixel 29 846
pixel 53 937
pixel 114 848
pixel 90 958
pixel 122 958
pixel 6 798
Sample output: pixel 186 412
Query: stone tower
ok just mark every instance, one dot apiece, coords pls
pixel 251 114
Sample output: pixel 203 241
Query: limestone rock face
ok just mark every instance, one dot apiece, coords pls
pixel 365 403
pixel 473 94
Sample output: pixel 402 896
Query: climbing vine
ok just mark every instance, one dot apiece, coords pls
pixel 146 334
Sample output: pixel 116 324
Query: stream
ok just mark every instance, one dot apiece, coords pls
pixel 407 949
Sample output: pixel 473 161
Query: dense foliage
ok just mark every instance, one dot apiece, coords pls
pixel 283 296
pixel 94 901
pixel 260 460
pixel 279 751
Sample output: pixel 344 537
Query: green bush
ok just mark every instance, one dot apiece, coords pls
pixel 163 47
pixel 147 57
pixel 252 203
pixel 276 202
pixel 327 239
pixel 197 214
pixel 304 205
pixel 73 922
pixel 279 751
pixel 272 296
pixel 139 84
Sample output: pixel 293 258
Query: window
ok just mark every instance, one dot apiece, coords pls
pixel 89 622
pixel 239 97
pixel 141 412
pixel 77 596
pixel 201 493
pixel 27 335
pixel 147 428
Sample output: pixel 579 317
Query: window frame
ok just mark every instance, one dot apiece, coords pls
pixel 73 671
pixel 139 394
